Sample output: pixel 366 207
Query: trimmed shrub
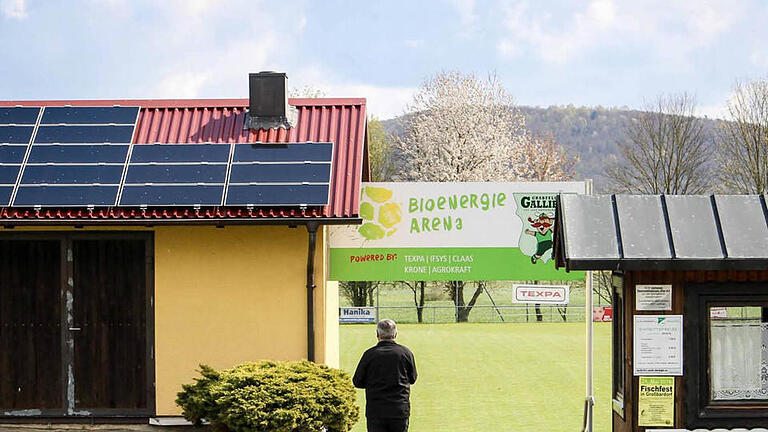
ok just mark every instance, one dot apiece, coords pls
pixel 271 396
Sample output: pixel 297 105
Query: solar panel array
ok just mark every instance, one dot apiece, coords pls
pixel 83 157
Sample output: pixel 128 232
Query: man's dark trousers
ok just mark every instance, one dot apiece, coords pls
pixel 387 424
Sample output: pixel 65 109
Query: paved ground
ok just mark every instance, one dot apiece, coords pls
pixel 97 428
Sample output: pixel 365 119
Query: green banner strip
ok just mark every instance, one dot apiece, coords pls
pixel 433 264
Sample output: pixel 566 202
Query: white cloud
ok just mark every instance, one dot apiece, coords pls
pixel 556 46
pixel 759 59
pixel 216 69
pixel 208 51
pixel 220 72
pixel 715 111
pixel 382 101
pixel 194 8
pixel 16 9
pixel 183 85
pixel 414 43
pixel 208 60
pixel 707 20
pixel 671 28
pixel 507 48
pixel 466 11
pixel 302 24
pixel 602 13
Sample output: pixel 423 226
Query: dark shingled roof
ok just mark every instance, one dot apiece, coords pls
pixel 661 232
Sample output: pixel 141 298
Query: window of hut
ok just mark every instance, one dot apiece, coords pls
pixel 738 353
pixel 726 355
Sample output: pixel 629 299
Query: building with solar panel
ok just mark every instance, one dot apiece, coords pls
pixel 141 238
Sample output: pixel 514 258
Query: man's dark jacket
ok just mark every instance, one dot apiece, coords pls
pixel 386 372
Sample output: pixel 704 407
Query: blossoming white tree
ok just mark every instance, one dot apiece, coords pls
pixel 462 129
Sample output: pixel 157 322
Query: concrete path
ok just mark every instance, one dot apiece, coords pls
pixel 98 428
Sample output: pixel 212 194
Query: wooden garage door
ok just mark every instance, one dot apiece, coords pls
pixel 76 325
pixel 30 326
pixel 111 317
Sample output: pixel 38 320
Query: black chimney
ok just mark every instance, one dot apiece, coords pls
pixel 268 101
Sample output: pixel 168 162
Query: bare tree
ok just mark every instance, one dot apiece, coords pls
pixel 358 293
pixel 602 286
pixel 455 290
pixel 743 140
pixel 665 151
pixel 546 160
pixel 418 288
pixel 463 128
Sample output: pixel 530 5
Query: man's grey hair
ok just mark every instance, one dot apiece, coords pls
pixel 386 329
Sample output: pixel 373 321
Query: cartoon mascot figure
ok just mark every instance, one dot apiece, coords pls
pixel 542 231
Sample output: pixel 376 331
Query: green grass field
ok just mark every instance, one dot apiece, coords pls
pixel 495 377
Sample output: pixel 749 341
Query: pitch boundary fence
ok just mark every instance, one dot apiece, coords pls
pixel 432 314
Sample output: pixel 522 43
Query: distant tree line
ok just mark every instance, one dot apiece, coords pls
pixel 463 128
pixel 666 150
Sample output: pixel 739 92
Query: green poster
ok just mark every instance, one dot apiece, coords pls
pixel 451 231
pixel 656 401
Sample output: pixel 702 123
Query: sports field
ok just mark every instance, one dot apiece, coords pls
pixel 496 377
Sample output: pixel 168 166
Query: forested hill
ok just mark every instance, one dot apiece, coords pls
pixel 591 132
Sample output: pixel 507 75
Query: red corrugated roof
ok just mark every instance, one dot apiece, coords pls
pixel 340 121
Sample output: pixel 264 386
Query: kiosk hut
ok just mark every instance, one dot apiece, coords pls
pixel 690 295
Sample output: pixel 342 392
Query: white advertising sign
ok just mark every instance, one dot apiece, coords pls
pixel 551 294
pixel 653 297
pixel 357 315
pixel 451 231
pixel 658 345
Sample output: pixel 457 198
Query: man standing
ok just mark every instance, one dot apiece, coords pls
pixel 386 372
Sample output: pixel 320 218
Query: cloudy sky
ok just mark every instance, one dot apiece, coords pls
pixel 599 52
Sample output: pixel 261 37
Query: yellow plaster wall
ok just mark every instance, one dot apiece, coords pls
pixel 226 296
pixel 331 308
pixel 332 325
